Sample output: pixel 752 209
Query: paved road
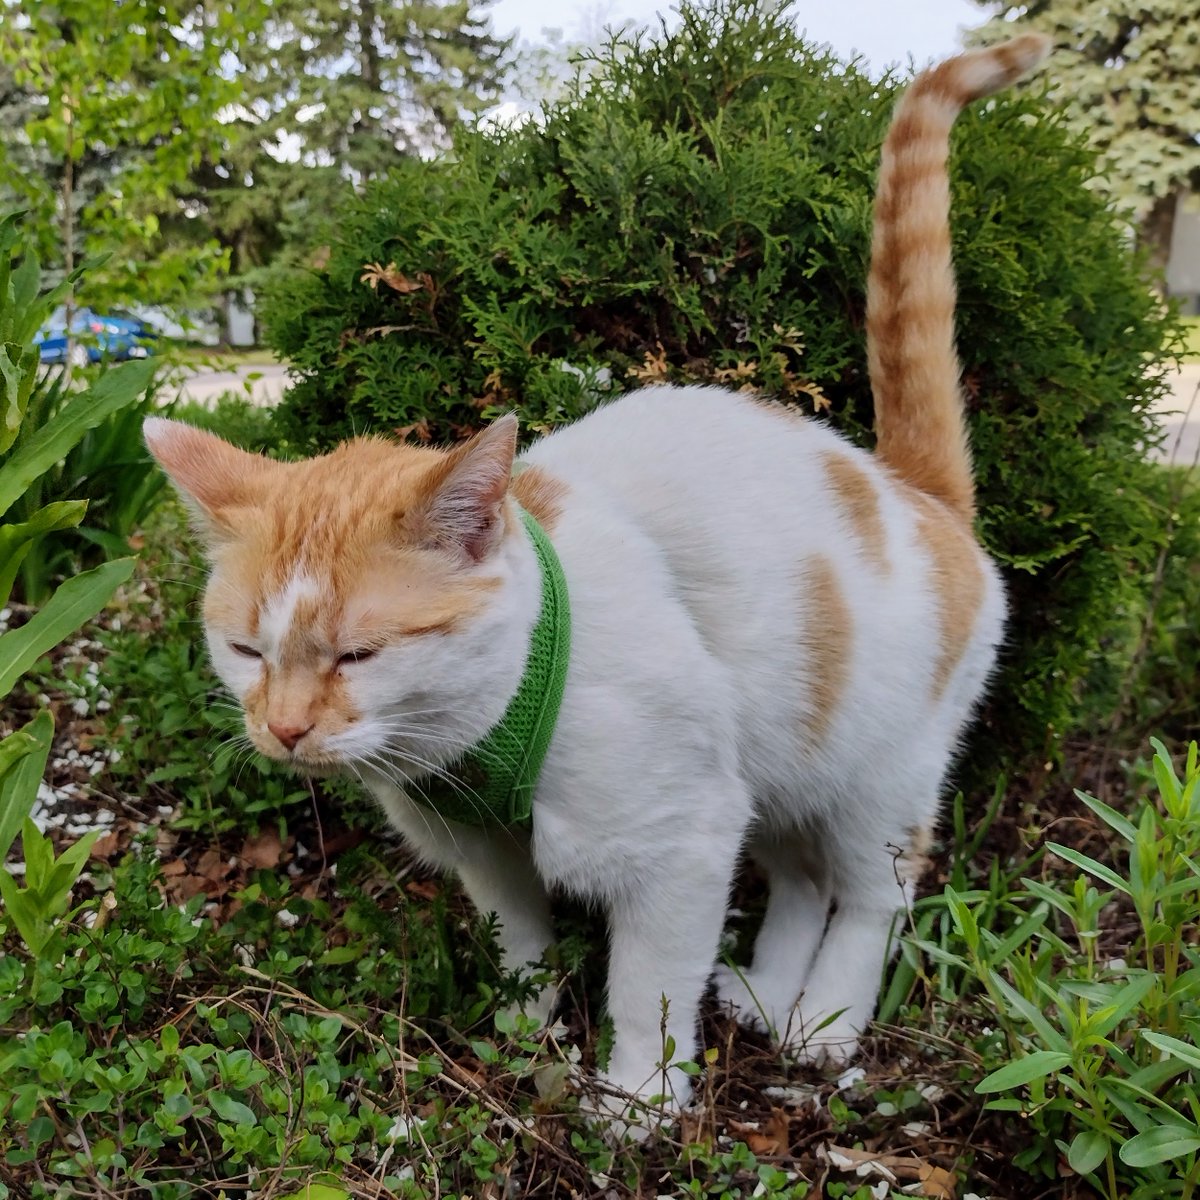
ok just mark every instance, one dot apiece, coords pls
pixel 1181 418
pixel 262 384
pixel 265 384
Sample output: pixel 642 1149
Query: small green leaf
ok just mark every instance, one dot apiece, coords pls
pixel 1160 1145
pixel 231 1110
pixel 1087 1151
pixel 1023 1070
pixel 1089 865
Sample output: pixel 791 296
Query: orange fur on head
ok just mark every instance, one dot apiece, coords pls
pixel 389 540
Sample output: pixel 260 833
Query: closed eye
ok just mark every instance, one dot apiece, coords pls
pixel 355 656
pixel 244 650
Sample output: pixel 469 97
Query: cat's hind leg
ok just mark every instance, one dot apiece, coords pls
pixel 763 995
pixel 872 881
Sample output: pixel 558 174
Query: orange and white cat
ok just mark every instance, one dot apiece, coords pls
pixel 777 639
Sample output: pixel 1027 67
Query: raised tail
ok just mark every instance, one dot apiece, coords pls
pixel 914 368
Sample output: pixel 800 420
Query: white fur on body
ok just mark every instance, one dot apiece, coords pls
pixel 683 737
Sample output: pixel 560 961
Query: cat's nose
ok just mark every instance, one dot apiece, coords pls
pixel 289 733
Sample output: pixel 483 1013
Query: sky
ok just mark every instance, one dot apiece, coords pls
pixel 885 31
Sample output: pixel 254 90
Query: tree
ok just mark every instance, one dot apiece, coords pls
pixel 121 100
pixel 352 84
pixel 1129 71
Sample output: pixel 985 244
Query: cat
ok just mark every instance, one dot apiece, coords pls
pixel 776 641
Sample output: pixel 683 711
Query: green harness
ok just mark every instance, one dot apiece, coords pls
pixel 493 783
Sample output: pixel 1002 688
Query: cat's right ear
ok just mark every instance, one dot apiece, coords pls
pixel 215 479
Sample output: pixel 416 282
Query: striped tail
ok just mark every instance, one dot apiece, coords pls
pixel 914 368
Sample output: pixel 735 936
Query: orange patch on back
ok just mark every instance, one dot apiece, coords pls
pixel 825 637
pixel 540 494
pixel 958 580
pixel 857 495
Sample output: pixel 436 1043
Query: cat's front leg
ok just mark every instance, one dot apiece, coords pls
pixel 664 928
pixel 496 871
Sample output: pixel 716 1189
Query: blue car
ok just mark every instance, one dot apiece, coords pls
pixel 94 336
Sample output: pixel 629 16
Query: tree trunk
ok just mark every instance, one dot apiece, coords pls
pixel 1155 233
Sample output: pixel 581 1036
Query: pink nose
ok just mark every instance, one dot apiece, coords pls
pixel 288 733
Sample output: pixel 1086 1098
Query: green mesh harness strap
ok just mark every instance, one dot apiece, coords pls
pixel 493 783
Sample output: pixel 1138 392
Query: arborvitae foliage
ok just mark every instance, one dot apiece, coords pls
pixel 699 209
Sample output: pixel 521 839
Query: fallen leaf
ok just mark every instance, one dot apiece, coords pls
pixel 931 1181
pixel 263 851
pixel 418 429
pixel 936 1183
pixel 423 889
pixel 105 846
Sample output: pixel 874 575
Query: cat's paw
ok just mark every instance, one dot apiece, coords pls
pixel 737 992
pixel 638 1114
pixel 823 1039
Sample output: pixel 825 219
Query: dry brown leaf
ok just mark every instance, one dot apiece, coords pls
pixel 213 865
pixel 820 402
pixel 931 1181
pixel 423 889
pixel 775 1138
pixel 418 429
pixel 743 370
pixel 391 276
pixel 654 367
pixel 263 851
pixel 937 1183
pixel 105 846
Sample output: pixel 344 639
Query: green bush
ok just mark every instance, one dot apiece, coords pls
pixel 699 209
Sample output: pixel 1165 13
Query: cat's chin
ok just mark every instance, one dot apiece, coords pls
pixel 313 770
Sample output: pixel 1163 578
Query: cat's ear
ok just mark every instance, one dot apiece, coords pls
pixel 214 478
pixel 464 499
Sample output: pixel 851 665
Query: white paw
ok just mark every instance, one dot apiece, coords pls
pixel 820 1041
pixel 635 1114
pixel 736 990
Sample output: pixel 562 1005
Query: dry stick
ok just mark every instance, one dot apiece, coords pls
pixel 1156 587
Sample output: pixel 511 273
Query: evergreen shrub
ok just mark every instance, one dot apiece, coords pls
pixel 698 209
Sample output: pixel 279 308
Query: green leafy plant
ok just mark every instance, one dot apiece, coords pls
pixel 1104 1048
pixel 36 908
pixel 27 451
pixel 109 464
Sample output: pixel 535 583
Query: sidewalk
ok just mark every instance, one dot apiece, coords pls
pixel 1181 418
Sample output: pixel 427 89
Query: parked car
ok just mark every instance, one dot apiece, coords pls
pixel 94 336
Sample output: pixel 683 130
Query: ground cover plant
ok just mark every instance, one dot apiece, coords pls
pixel 238 984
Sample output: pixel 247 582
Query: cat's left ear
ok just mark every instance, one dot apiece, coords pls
pixel 215 479
pixel 465 497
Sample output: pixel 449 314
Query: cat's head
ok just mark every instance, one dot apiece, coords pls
pixel 365 605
